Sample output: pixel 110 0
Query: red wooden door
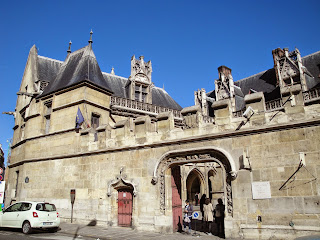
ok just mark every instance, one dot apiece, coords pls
pixel 124 208
pixel 176 199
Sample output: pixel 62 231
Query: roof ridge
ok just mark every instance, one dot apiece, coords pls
pixel 51 59
pixel 161 89
pixel 311 54
pixel 252 75
pixel 113 75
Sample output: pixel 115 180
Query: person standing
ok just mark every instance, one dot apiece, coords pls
pixel 188 209
pixel 196 198
pixel 202 202
pixel 208 215
pixel 219 216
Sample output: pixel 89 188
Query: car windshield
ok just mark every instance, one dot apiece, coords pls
pixel 46 207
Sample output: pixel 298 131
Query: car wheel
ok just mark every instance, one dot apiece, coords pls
pixel 26 227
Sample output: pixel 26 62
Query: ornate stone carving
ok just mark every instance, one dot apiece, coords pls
pixel 141 70
pixel 288 67
pixel 162 192
pixel 193 158
pixel 229 199
pixel 224 86
pixel 233 175
pixel 120 181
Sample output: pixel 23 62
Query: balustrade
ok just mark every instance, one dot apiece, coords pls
pixel 311 95
pixel 274 105
pixel 128 103
pixel 238 113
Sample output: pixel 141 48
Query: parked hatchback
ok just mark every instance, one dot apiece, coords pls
pixel 29 215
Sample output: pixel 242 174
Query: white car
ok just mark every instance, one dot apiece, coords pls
pixel 29 215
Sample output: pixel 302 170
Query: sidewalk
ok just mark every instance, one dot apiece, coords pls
pixel 115 233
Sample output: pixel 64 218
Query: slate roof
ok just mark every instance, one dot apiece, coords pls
pixel 48 68
pixel 74 70
pixel 79 66
pixel 266 81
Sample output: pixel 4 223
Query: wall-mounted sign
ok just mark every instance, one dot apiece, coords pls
pixel 261 190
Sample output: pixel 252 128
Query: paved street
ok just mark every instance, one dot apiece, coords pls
pixel 68 230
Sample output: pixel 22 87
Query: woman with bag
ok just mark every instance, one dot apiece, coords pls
pixel 188 209
pixel 208 214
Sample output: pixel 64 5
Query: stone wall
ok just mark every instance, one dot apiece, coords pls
pixel 270 143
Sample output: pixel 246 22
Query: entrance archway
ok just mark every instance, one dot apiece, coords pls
pixel 196 156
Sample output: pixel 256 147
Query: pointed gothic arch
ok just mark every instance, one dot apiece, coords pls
pixel 192 176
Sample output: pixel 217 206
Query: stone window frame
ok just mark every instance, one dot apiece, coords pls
pixel 47 116
pixel 95 123
pixel 141 92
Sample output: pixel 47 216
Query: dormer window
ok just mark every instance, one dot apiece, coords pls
pixel 43 85
pixel 141 92
pixel 140 79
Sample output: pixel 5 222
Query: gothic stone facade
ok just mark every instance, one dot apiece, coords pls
pixel 254 132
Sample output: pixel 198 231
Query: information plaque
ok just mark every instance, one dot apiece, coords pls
pixel 261 190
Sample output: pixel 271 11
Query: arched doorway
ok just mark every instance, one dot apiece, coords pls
pixel 123 191
pixel 194 184
pixel 206 160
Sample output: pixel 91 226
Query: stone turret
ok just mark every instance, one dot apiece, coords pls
pixel 141 86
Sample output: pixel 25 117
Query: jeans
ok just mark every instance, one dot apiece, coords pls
pixel 189 223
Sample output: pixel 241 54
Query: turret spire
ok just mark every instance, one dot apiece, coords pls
pixel 69 49
pixel 90 40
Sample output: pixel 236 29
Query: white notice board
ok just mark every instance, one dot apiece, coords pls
pixel 261 190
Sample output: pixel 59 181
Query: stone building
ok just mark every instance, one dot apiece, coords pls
pixel 138 155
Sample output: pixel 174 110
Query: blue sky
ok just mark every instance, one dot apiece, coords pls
pixel 185 40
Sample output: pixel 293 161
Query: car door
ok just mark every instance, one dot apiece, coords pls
pixel 24 213
pixel 10 217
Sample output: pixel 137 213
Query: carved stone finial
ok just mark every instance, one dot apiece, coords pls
pixel 112 71
pixel 154 180
pixel 69 49
pixel 90 40
pixel 233 175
